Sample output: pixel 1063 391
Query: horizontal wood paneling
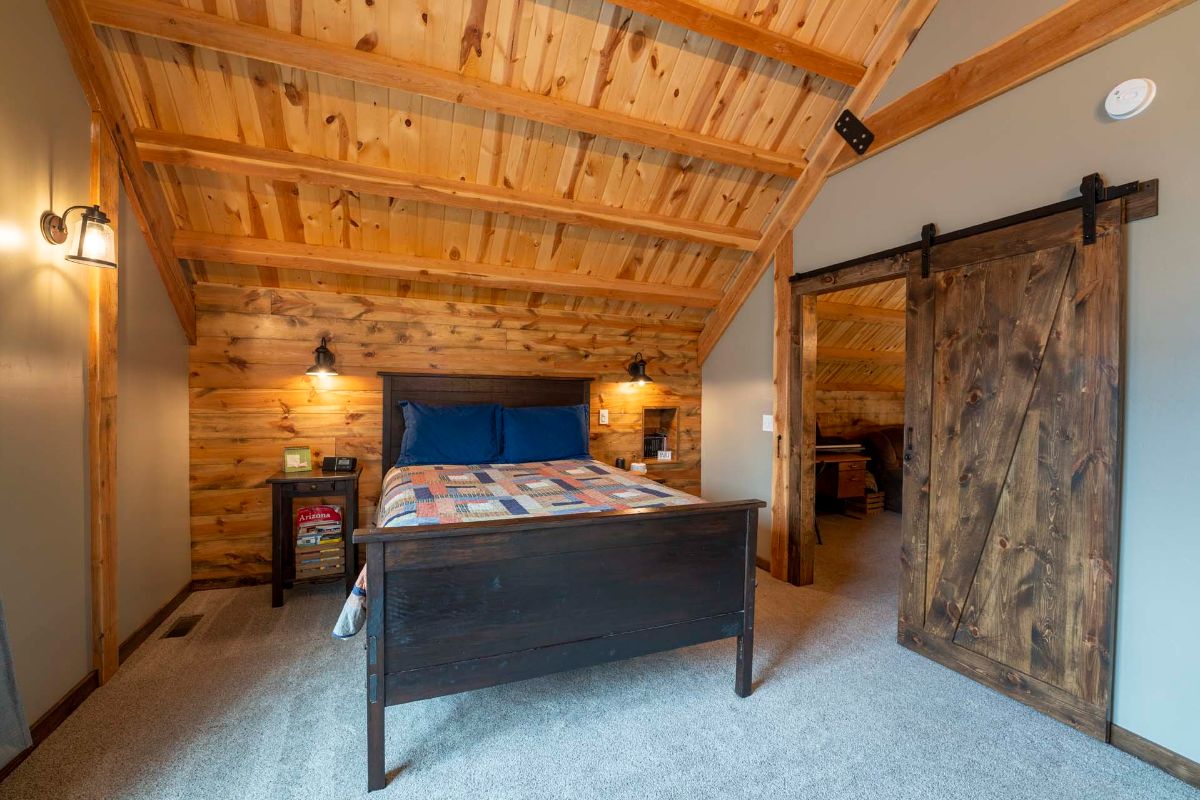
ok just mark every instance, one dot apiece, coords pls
pixel 852 413
pixel 250 397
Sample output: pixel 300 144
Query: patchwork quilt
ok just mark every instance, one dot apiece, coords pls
pixel 439 494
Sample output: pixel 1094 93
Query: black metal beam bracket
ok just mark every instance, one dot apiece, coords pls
pixel 852 129
pixel 1094 192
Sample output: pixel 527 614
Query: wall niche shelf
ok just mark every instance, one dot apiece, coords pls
pixel 660 431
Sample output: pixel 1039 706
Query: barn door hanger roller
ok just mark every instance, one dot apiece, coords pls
pixel 1095 192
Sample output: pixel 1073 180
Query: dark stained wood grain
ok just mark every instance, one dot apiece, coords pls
pixel 1009 556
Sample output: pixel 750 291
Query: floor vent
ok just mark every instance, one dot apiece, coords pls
pixel 183 626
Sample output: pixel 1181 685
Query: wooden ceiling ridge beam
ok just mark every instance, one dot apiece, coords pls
pixel 1073 30
pixel 350 261
pixel 220 155
pixel 211 31
pixel 725 27
pixel 889 46
pixel 149 206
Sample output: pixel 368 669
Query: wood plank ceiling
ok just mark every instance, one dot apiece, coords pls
pixel 572 155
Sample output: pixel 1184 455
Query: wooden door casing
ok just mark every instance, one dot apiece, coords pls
pixel 1012 462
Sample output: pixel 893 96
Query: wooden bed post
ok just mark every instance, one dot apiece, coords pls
pixel 376 668
pixel 744 682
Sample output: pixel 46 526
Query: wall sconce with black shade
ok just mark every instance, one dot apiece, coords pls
pixel 323 364
pixel 637 371
pixel 92 241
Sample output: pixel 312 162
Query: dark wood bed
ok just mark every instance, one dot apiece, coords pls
pixel 462 606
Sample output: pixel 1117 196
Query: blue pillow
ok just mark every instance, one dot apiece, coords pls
pixel 449 434
pixel 545 433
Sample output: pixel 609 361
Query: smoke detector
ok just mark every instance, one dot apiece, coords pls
pixel 1130 98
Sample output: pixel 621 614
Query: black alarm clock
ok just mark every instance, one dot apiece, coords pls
pixel 338 464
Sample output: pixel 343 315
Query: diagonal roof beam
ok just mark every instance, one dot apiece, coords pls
pixel 1066 33
pixel 201 29
pixel 148 205
pixel 890 44
pixel 162 147
pixel 734 30
pixel 350 261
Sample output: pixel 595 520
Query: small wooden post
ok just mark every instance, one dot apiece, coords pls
pixel 102 413
pixel 781 493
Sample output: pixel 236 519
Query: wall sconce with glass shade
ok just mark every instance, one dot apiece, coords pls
pixel 91 241
pixel 637 371
pixel 323 363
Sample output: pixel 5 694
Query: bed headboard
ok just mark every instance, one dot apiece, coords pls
pixel 457 390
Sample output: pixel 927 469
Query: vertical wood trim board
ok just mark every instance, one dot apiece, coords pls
pixel 781 493
pixel 250 398
pixel 102 415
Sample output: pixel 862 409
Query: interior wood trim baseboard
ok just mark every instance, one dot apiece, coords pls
pixel 1168 761
pixel 57 715
pixel 762 563
pixel 139 636
pixel 204 584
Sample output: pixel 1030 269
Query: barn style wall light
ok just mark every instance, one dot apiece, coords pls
pixel 323 363
pixel 637 371
pixel 91 241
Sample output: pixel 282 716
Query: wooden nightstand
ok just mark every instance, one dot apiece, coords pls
pixel 285 487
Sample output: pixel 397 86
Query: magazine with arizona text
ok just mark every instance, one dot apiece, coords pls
pixel 317 525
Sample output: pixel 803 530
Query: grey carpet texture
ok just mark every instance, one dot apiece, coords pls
pixel 261 703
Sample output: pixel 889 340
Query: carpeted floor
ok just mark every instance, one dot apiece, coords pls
pixel 258 703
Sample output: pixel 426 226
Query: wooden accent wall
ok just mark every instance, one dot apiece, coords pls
pixel 851 413
pixel 250 397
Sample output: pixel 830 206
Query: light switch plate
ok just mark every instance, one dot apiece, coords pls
pixel 604 416
pixel 768 422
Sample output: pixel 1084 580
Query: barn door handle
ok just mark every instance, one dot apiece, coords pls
pixel 908 450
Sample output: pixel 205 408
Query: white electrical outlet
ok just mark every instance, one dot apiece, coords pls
pixel 604 416
pixel 768 423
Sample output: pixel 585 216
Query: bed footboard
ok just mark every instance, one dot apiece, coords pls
pixel 465 606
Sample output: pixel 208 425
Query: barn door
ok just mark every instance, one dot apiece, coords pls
pixel 1012 462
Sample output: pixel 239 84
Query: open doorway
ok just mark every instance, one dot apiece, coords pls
pixel 859 425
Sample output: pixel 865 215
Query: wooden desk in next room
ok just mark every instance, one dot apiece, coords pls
pixel 842 476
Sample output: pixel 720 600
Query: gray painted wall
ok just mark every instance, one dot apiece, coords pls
pixel 45 556
pixel 153 551
pixel 1026 148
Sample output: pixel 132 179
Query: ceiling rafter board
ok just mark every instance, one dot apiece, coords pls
pixel 892 41
pixel 201 29
pixel 718 24
pixel 267 252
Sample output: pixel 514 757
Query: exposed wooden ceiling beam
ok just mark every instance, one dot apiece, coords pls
pixel 236 158
pixel 890 44
pixel 201 29
pixel 881 358
pixel 851 312
pixel 1064 34
pixel 347 261
pixel 734 30
pixel 148 205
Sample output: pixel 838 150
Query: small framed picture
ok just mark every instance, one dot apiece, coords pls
pixel 297 459
pixel 665 455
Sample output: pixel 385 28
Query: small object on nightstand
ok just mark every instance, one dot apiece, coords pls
pixel 638 467
pixel 620 463
pixel 339 464
pixel 286 567
pixel 665 455
pixel 297 459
